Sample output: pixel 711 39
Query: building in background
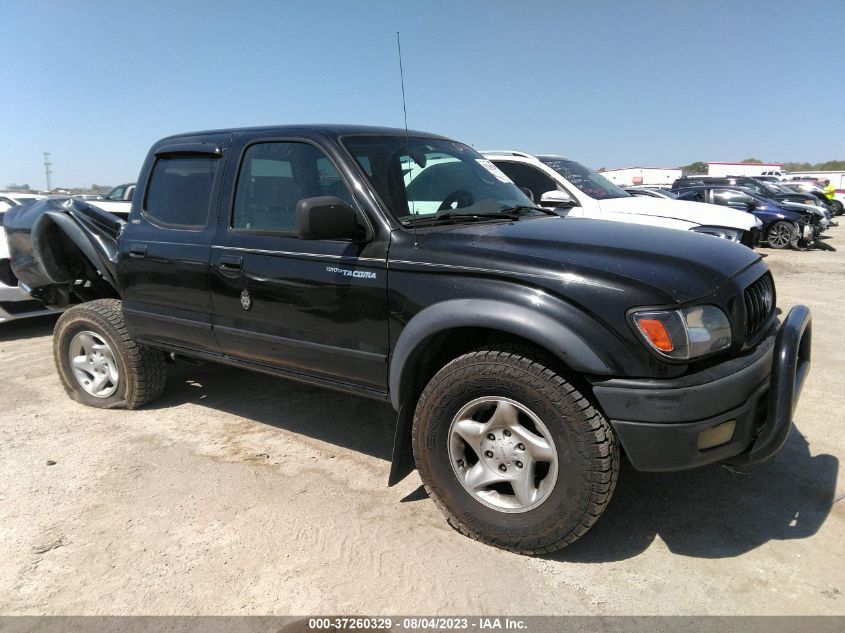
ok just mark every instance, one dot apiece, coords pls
pixel 629 176
pixel 742 169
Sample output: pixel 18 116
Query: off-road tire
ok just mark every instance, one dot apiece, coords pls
pixel 142 370
pixel 587 452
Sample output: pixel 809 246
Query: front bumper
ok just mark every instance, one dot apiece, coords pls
pixel 750 400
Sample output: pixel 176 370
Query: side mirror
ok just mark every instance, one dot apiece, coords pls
pixel 327 218
pixel 557 199
pixel 752 204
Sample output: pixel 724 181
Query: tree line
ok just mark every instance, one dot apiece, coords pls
pixel 700 167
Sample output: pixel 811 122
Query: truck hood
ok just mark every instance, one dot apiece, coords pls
pixel 699 212
pixel 593 255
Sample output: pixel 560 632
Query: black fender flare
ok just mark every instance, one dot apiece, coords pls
pixel 549 333
pixel 552 334
pixel 85 240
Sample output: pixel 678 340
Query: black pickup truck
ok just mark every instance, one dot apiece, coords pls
pixel 521 350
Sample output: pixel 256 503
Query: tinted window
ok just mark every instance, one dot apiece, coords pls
pixel 587 180
pixel 274 177
pixel 528 177
pixel 180 190
pixel 695 195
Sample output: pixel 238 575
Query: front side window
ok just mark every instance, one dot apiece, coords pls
pixel 528 177
pixel 421 179
pixel 179 192
pixel 274 177
pixel 587 180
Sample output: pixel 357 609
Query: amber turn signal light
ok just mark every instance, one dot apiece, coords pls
pixel 656 332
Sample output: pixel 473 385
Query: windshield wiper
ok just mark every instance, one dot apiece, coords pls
pixel 508 213
pixel 525 207
pixel 457 216
pixel 457 213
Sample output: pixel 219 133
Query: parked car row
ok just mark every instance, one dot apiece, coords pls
pixel 792 213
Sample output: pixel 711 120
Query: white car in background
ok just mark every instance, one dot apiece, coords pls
pixel 780 174
pixel 9 199
pixel 15 302
pixel 574 190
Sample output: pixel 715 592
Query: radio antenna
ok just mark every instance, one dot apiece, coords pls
pixel 407 140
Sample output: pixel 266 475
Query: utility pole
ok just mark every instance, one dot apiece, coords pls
pixel 47 171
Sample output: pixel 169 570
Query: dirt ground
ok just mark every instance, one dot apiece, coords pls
pixel 242 494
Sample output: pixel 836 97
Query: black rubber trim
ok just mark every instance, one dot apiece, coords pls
pixel 309 345
pixel 213 149
pixel 670 447
pixel 166 318
pixel 548 333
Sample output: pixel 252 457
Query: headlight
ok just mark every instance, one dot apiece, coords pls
pixel 686 333
pixel 734 235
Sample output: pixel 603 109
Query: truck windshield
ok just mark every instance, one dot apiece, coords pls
pixel 585 179
pixel 422 178
pixel 116 193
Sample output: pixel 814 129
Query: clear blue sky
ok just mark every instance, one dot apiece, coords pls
pixel 608 83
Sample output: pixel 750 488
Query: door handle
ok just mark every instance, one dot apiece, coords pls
pixel 137 250
pixel 229 262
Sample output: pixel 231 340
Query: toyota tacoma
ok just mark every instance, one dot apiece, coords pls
pixel 523 352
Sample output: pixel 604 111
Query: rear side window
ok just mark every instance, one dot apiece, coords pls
pixel 274 177
pixel 179 192
pixel 732 198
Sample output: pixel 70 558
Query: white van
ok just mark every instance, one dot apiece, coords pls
pixel 574 190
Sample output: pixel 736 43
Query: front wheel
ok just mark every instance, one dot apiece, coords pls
pixel 781 234
pixel 99 364
pixel 512 453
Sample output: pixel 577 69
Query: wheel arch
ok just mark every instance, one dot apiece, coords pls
pixel 471 322
pixel 98 256
pixel 60 241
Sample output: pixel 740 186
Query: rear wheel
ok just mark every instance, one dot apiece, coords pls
pixel 512 453
pixel 99 364
pixel 780 235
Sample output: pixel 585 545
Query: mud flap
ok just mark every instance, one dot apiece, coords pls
pixel 402 463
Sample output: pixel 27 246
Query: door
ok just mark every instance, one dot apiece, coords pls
pixel 164 255
pixel 315 307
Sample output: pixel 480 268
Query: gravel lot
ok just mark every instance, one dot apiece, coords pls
pixel 242 494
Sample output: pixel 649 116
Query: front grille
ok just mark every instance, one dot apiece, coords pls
pixel 759 305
